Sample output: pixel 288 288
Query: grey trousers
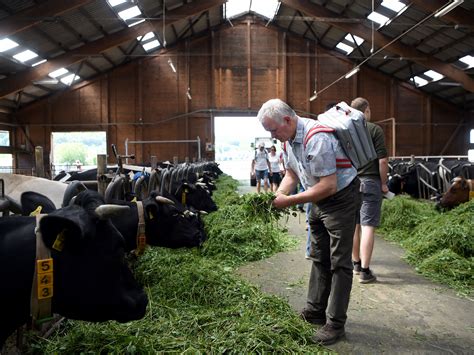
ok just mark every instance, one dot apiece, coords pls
pixel 332 224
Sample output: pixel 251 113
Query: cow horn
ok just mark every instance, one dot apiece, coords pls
pixel 200 179
pixel 188 213
pixel 108 211
pixel 164 200
pixel 203 212
pixel 200 184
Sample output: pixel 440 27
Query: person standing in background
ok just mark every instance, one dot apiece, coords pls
pixel 261 167
pixel 275 160
pixel 373 184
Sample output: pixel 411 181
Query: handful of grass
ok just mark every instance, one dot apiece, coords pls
pixel 260 206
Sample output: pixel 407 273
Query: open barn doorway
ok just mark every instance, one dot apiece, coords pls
pixel 233 139
pixel 76 151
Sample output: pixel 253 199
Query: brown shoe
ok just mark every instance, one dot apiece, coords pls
pixel 313 317
pixel 328 335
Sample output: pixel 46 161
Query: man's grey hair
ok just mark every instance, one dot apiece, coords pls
pixel 360 104
pixel 275 109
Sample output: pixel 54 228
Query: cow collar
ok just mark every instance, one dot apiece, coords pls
pixel 141 236
pixel 42 288
pixel 471 190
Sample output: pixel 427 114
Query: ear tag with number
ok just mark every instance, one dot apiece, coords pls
pixel 183 197
pixel 134 199
pixel 44 271
pixel 150 215
pixel 36 211
pixel 471 195
pixel 59 242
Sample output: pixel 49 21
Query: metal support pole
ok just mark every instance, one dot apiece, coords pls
pixel 199 148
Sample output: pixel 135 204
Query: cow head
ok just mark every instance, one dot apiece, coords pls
pixel 91 279
pixel 195 195
pixel 457 193
pixel 168 225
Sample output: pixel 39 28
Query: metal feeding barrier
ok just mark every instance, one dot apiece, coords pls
pixel 197 140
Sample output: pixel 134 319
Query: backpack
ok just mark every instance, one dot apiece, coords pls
pixel 351 130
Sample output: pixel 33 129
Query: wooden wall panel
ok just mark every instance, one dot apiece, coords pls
pixel 232 48
pixel 449 137
pixel 122 94
pixel 410 122
pixel 264 51
pixel 264 87
pixel 233 88
pixel 199 68
pixel 330 68
pixel 297 78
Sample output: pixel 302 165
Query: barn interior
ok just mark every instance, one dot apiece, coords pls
pixel 144 71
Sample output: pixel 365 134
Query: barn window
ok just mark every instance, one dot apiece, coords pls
pixel 6 165
pixel 76 150
pixel 4 138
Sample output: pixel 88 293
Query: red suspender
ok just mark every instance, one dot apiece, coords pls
pixel 315 130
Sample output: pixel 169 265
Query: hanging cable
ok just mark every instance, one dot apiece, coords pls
pixel 372 48
pixel 164 23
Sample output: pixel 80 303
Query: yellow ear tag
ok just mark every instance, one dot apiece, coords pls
pixel 150 215
pixel 134 199
pixel 471 195
pixel 59 242
pixel 37 211
pixel 44 273
pixel 183 197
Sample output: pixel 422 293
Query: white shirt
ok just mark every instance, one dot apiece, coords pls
pixel 274 162
pixel 261 160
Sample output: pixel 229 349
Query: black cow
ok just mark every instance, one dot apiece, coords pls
pixel 194 195
pixel 32 201
pixel 91 281
pixel 168 225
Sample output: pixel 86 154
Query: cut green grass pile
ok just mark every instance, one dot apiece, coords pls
pixel 197 304
pixel 439 245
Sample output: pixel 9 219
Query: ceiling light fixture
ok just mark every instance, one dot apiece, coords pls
pixel 352 72
pixel 171 65
pixel 188 94
pixel 314 97
pixel 448 8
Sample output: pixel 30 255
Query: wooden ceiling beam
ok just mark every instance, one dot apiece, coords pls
pixel 24 78
pixel 381 40
pixel 31 16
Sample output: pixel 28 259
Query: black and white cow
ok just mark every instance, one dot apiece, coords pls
pixel 91 280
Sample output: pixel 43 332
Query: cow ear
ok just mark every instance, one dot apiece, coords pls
pixel 151 210
pixel 464 184
pixel 57 230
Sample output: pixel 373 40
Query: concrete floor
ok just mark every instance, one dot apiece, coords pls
pixel 402 313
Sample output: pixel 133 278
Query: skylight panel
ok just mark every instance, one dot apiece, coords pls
pixel 376 17
pixel 146 37
pixel 136 23
pixel 25 55
pixel 345 48
pixel 434 75
pixel 150 45
pixel 419 81
pixel 6 44
pixel 131 12
pixel 58 72
pixel 393 5
pixel 234 8
pixel 116 2
pixel 68 79
pixel 359 40
pixel 468 59
pixel 266 8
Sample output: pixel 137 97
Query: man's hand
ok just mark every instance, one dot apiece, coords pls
pixel 384 188
pixel 281 201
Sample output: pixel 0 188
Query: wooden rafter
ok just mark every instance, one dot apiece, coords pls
pixel 381 40
pixel 33 15
pixel 18 81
